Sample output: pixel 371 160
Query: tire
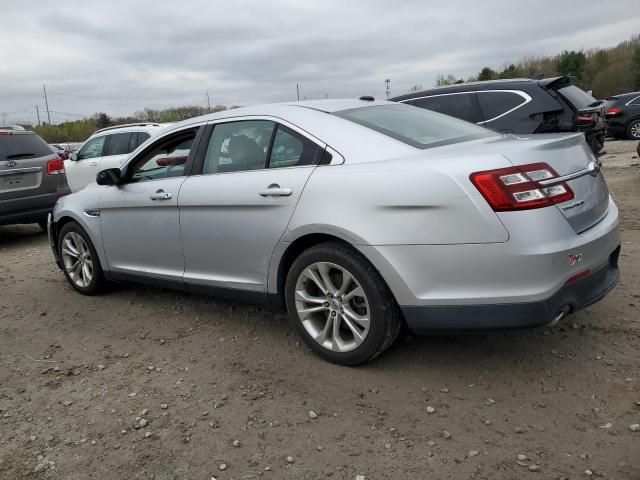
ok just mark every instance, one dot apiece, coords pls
pixel 72 232
pixel 633 130
pixel 340 261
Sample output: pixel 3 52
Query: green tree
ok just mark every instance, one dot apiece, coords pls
pixel 103 120
pixel 441 80
pixel 571 63
pixel 635 66
pixel 487 74
pixel 510 71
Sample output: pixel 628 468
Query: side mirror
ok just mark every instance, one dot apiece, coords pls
pixel 74 156
pixel 110 176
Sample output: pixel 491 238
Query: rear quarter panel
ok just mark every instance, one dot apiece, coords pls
pixel 424 199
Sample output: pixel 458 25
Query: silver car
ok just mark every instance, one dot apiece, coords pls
pixel 361 217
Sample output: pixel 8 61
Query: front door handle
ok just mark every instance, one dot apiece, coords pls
pixel 274 190
pixel 160 195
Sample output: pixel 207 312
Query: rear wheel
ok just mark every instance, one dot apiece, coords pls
pixel 633 130
pixel 340 305
pixel 80 261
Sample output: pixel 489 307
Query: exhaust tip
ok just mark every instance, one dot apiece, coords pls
pixel 564 311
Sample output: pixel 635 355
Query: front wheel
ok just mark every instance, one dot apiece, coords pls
pixel 340 305
pixel 633 130
pixel 80 261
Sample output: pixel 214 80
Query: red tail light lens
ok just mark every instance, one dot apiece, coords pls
pixel 55 166
pixel 517 188
pixel 612 112
pixel 587 119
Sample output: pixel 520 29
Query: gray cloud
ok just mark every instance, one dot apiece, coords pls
pixel 121 56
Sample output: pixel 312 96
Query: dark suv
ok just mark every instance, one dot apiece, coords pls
pixel 623 115
pixel 522 106
pixel 31 177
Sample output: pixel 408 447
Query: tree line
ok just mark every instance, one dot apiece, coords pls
pixel 80 130
pixel 604 71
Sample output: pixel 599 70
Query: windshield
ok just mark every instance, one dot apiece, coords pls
pixel 578 97
pixel 415 126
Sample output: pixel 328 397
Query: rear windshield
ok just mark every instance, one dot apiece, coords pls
pixel 415 126
pixel 578 97
pixel 20 146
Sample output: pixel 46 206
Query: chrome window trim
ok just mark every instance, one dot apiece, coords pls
pixel 630 102
pixel 527 98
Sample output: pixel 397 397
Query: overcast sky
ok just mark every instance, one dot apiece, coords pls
pixel 121 56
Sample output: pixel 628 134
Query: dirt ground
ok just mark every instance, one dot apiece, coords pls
pixel 144 383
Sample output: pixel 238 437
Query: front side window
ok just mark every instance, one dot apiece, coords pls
pixel 93 148
pixel 165 159
pixel 417 127
pixel 459 105
pixel 238 146
pixel 291 149
pixel 118 144
pixel 495 104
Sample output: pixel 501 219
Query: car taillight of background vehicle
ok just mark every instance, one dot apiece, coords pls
pixel 586 119
pixel 55 166
pixel 612 112
pixel 517 188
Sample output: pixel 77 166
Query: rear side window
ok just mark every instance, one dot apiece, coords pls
pixel 291 149
pixel 118 144
pixel 22 146
pixel 459 105
pixel 635 101
pixel 417 127
pixel 238 146
pixel 496 104
pixel 578 97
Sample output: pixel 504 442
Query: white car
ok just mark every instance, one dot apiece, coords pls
pixel 106 148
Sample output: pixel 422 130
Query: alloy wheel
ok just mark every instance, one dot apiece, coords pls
pixel 77 259
pixel 332 306
pixel 635 130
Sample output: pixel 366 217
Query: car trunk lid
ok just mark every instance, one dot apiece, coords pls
pixel 577 168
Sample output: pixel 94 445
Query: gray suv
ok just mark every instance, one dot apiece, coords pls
pixel 32 177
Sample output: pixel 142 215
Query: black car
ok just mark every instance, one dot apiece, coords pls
pixel 623 115
pixel 32 177
pixel 521 106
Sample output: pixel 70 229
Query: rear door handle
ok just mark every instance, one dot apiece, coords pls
pixel 160 195
pixel 274 190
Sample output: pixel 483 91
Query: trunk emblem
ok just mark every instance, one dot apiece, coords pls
pixel 11 163
pixel 573 259
pixel 573 205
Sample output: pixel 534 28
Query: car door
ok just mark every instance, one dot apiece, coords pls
pixel 234 212
pixel 83 168
pixel 139 217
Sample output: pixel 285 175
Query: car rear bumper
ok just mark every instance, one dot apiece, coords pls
pixel 508 316
pixel 29 209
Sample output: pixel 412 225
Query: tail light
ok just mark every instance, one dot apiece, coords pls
pixel 586 119
pixel 517 188
pixel 55 166
pixel 612 112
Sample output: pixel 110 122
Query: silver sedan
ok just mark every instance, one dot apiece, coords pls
pixel 362 218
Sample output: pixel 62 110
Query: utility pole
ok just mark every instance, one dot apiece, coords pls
pixel 46 102
pixel 208 102
pixel 298 91
pixel 388 91
pixel 38 114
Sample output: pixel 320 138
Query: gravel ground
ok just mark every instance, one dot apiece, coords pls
pixel 144 383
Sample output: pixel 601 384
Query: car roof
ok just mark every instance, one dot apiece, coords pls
pixel 131 127
pixel 502 83
pixel 623 95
